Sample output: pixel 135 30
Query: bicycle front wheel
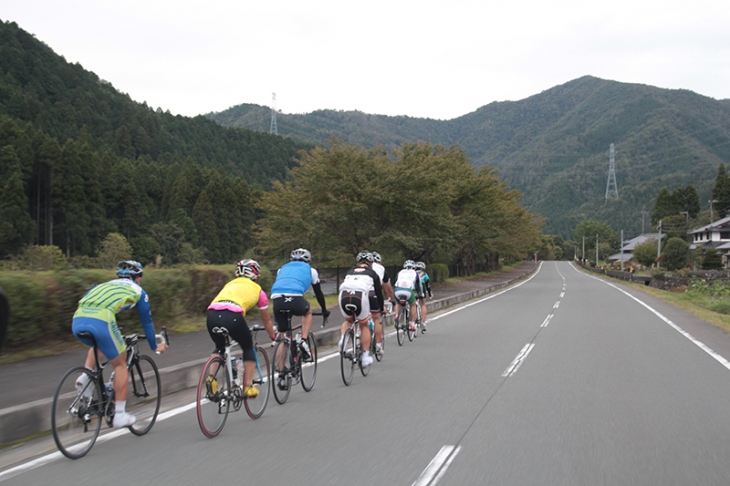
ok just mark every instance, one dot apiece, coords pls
pixel 76 414
pixel 144 397
pixel 347 357
pixel 280 372
pixel 213 400
pixel 255 406
pixel 309 366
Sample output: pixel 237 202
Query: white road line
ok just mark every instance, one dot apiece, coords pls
pixel 562 294
pixel 557 304
pixel 546 321
pixel 684 333
pixel 517 362
pixel 437 467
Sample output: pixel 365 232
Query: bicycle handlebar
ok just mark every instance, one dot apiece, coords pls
pixel 324 319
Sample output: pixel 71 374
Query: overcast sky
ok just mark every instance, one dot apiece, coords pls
pixel 421 58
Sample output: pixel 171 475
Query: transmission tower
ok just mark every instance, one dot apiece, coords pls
pixel 611 188
pixel 273 128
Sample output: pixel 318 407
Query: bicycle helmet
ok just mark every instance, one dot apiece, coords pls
pixel 376 257
pixel 409 265
pixel 420 266
pixel 249 269
pixel 129 269
pixel 301 255
pixel 365 257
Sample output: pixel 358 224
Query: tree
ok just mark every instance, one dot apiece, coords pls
pixel 590 228
pixel 712 261
pixel 16 225
pixel 114 248
pixel 645 253
pixel 664 206
pixel 721 192
pixel 675 254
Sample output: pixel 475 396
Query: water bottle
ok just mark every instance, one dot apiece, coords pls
pixel 234 368
pixel 372 325
pixel 110 384
pixel 298 337
pixel 239 371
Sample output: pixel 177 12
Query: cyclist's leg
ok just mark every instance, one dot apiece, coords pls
pixel 375 313
pixel 240 332
pixel 282 325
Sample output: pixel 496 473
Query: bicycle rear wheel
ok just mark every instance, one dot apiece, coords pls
pixel 347 357
pixel 309 366
pixel 255 406
pixel 280 375
pixel 144 397
pixel 76 416
pixel 400 327
pixel 408 327
pixel 363 369
pixel 213 400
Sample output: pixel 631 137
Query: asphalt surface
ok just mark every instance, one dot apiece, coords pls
pixel 563 379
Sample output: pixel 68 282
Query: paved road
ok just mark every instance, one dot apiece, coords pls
pixel 565 379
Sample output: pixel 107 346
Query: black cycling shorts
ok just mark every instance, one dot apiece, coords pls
pixel 297 304
pixel 237 329
pixel 374 309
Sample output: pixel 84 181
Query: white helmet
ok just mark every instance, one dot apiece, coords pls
pixel 302 255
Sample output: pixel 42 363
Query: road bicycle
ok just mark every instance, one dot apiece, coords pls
pixel 290 365
pixel 77 414
pixel 351 350
pixel 402 323
pixel 220 386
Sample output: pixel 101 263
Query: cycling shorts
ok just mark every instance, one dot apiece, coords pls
pixel 297 304
pixel 402 293
pixel 237 329
pixel 373 299
pixel 102 324
pixel 359 300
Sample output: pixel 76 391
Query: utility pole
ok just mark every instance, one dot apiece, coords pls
pixel 659 244
pixel 596 250
pixel 643 216
pixel 611 187
pixel 583 255
pixel 711 201
pixel 273 129
pixel 622 250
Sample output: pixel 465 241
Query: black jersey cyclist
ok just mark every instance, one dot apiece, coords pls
pixel 425 290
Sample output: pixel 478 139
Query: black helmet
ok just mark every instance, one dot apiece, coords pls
pixel 129 269
pixel 365 257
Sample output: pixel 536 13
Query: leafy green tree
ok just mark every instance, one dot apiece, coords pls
pixel 144 249
pixel 646 253
pixel 169 238
pixel 38 257
pixel 16 225
pixel 712 260
pixel 663 207
pixel 675 254
pixel 114 248
pixel 205 226
pixel 721 192
pixel 589 228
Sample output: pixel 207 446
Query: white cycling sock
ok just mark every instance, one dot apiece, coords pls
pixel 119 406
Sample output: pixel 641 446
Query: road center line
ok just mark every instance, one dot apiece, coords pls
pixel 546 321
pixel 437 467
pixel 517 362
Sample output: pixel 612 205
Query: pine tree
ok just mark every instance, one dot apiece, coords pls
pixel 721 192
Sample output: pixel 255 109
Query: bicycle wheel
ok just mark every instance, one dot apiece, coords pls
pixel 363 369
pixel 418 319
pixel 347 357
pixel 400 328
pixel 309 366
pixel 76 417
pixel 408 327
pixel 255 406
pixel 144 396
pixel 213 400
pixel 280 376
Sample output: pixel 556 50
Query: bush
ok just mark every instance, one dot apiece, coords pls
pixel 712 261
pixel 114 249
pixel 645 253
pixel 437 272
pixel 675 254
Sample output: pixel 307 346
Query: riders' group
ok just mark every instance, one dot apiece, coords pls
pixel 360 298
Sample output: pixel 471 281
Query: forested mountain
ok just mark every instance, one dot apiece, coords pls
pixel 553 147
pixel 78 160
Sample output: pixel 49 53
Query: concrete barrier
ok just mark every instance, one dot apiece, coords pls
pixel 23 421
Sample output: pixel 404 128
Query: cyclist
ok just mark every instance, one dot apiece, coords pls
pixel 387 292
pixel 407 285
pixel 228 310
pixel 355 289
pixel 425 290
pixel 292 280
pixel 96 314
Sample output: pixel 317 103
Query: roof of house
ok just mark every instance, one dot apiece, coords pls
pixel 720 223
pixel 631 244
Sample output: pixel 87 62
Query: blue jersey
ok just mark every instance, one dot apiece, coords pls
pixel 294 278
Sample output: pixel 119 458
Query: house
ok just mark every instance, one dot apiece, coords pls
pixel 713 236
pixel 626 253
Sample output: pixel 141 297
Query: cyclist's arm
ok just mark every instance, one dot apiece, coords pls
pixel 145 316
pixel 263 306
pixel 427 286
pixel 319 295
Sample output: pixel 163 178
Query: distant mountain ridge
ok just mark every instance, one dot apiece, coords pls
pixel 553 146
